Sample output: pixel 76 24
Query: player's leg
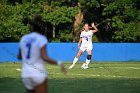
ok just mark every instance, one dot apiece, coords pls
pixel 89 52
pixel 76 58
pixel 28 85
pixel 42 88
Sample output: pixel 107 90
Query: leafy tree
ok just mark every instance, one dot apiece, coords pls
pixel 60 15
pixel 124 20
pixel 117 20
pixel 11 28
pixel 11 20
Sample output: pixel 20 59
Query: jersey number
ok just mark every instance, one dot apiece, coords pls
pixel 28 45
pixel 87 38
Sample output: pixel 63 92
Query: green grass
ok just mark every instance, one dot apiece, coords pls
pixel 122 77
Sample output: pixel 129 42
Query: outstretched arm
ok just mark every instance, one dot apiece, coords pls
pixel 95 28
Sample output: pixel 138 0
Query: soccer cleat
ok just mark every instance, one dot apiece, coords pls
pixel 71 66
pixel 84 66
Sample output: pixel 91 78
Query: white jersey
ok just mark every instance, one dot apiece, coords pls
pixel 86 38
pixel 33 64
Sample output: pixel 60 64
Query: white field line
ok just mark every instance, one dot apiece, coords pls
pixel 92 75
pixel 133 68
pixel 95 67
pixel 112 67
pixel 97 75
pixel 122 67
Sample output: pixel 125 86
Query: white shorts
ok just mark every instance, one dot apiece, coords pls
pixel 86 48
pixel 31 82
pixel 32 77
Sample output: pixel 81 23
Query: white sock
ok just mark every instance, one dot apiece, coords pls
pixel 87 61
pixel 75 60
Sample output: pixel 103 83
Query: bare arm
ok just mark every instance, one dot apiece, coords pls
pixel 79 43
pixel 19 54
pixel 95 28
pixel 45 57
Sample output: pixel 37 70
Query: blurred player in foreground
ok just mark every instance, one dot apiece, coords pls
pixel 85 43
pixel 33 53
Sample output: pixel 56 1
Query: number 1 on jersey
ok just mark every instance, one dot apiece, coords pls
pixel 28 45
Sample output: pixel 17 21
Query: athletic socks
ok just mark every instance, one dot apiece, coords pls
pixel 75 60
pixel 87 61
pixel 85 65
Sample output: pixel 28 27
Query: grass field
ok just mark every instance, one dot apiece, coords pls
pixel 122 77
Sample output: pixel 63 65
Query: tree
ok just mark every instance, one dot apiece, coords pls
pixel 11 27
pixel 124 20
pixel 11 20
pixel 60 15
pixel 117 20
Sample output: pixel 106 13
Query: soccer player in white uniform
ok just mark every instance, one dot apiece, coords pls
pixel 33 53
pixel 85 43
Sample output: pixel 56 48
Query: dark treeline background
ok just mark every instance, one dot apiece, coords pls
pixel 117 20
